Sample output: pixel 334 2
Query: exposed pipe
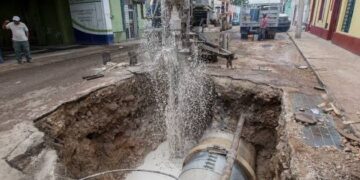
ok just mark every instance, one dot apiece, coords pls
pixel 211 157
pixel 231 156
pixel 127 170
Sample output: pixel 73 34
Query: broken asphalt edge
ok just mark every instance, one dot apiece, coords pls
pixel 78 98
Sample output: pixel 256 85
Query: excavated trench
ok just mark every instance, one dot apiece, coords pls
pixel 117 126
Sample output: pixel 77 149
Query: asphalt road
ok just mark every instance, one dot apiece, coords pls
pixel 64 73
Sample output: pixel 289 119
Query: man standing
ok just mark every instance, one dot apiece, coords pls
pixel 263 26
pixel 20 37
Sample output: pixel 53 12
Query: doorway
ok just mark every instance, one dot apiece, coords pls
pixel 334 18
pixel 130 19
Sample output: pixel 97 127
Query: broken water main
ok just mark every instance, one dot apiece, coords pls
pixel 174 107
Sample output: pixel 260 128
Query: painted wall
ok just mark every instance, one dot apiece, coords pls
pixel 326 14
pixel 91 20
pixel 117 21
pixel 355 22
pixel 288 9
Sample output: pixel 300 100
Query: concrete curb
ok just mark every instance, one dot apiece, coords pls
pixel 308 63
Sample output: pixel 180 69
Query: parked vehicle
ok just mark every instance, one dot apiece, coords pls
pixel 284 23
pixel 250 16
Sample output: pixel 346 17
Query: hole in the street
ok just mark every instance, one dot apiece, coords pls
pixel 117 126
pixel 262 129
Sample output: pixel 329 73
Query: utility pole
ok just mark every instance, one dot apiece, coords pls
pixel 300 19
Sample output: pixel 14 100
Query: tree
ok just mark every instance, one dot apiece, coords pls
pixel 239 2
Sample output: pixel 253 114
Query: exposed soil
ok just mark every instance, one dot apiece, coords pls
pixel 114 127
pixel 261 106
pixel 117 126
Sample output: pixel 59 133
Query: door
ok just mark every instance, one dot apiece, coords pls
pixel 130 19
pixel 334 18
pixel 311 15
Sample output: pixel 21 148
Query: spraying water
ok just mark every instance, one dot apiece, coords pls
pixel 179 81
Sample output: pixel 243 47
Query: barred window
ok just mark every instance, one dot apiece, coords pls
pixel 348 15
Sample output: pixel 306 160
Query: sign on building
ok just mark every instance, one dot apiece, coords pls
pixel 91 20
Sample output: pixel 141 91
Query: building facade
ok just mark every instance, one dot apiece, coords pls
pixel 338 21
pixel 106 21
pixel 49 21
pixel 291 9
pixel 66 22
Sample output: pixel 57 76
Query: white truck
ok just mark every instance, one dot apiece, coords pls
pixel 251 14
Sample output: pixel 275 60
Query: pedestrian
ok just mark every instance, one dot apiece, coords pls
pixel 20 38
pixel 263 27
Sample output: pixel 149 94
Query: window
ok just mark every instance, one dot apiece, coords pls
pixel 348 15
pixel 322 9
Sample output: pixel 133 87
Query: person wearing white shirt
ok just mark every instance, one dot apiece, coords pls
pixel 20 38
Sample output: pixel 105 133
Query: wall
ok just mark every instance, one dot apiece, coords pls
pixel 117 21
pixel 288 8
pixel 49 21
pixel 326 15
pixel 350 40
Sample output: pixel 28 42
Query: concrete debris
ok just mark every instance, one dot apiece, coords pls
pixel 351 122
pixel 303 67
pixel 305 118
pixel 346 134
pixel 328 110
pixel 322 105
pixel 315 111
pixel 320 88
pixel 347 149
pixel 336 110
pixel 302 109
pixel 91 77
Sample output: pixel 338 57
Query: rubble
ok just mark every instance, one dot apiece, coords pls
pixel 305 118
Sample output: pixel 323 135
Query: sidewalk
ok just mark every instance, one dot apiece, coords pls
pixel 339 70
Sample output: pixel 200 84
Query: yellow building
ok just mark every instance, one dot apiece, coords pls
pixel 338 21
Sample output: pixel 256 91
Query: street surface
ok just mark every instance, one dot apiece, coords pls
pixel 35 89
